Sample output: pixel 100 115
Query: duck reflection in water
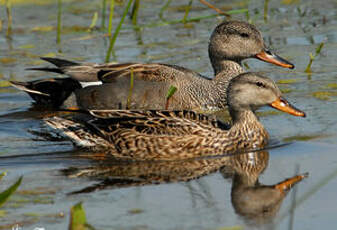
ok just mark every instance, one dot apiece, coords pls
pixel 258 204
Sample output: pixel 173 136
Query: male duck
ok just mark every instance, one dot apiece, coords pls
pixel 230 43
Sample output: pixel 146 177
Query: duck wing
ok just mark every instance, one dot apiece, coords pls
pixel 109 72
pixel 155 122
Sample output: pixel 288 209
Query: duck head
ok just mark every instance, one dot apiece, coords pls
pixel 236 41
pixel 250 91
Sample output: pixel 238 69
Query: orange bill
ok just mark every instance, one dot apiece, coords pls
pixel 287 184
pixel 283 105
pixel 267 56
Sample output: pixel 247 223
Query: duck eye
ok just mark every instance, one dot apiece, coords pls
pixel 260 84
pixel 244 35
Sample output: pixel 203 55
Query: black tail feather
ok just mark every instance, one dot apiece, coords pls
pixel 49 92
pixel 59 62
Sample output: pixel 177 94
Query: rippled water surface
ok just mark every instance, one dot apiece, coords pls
pixel 293 28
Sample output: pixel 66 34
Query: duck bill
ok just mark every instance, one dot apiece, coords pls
pixel 284 106
pixel 267 56
pixel 287 184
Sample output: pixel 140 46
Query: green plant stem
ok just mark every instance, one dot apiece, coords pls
pixel 312 57
pixel 134 13
pixel 187 10
pixel 103 14
pixel 9 18
pixel 93 22
pixel 8 192
pixel 162 10
pixel 114 37
pixel 265 12
pixel 59 13
pixel 111 14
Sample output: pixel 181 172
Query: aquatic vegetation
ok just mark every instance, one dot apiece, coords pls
pixel 9 18
pixel 332 85
pixel 187 10
pixel 324 95
pixel 265 11
pixel 287 81
pixel 111 14
pixel 42 28
pixel 114 37
pixel 5 195
pixel 313 56
pixel 7 60
pixel 163 9
pixel 78 220
pixel 134 12
pixel 103 15
pixel 93 22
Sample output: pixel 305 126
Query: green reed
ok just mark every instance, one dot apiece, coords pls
pixel 111 14
pixel 265 12
pixel 78 218
pixel 134 12
pixel 103 14
pixel 9 18
pixel 313 56
pixel 187 11
pixel 5 195
pixel 162 10
pixel 114 37
pixel 59 13
pixel 93 22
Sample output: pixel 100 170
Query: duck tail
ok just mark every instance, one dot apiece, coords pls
pixel 27 87
pixel 46 69
pixel 50 92
pixel 78 133
pixel 59 63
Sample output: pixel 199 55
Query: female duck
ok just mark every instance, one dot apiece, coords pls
pixel 230 43
pixel 166 135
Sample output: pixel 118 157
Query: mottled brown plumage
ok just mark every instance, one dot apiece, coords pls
pixel 230 43
pixel 173 135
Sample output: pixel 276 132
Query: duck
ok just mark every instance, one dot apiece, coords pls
pixel 230 43
pixel 158 135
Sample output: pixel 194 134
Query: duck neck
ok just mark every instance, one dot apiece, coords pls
pixel 226 72
pixel 217 87
pixel 220 64
pixel 248 130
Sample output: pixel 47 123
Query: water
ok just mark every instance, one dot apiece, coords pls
pixel 294 30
